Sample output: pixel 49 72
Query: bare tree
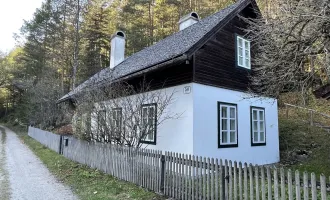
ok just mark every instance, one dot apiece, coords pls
pixel 123 114
pixel 292 48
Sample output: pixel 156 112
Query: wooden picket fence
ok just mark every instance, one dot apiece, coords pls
pixel 193 177
pixel 190 177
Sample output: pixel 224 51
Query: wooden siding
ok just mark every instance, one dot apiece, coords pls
pixel 166 77
pixel 215 62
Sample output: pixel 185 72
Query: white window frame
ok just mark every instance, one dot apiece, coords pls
pixel 101 123
pixel 149 138
pixel 229 128
pixel 116 120
pixel 243 50
pixel 259 128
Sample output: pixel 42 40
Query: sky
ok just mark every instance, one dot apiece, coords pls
pixel 12 14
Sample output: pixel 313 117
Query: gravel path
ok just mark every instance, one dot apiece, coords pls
pixel 29 179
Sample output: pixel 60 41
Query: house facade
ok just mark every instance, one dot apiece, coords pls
pixel 206 66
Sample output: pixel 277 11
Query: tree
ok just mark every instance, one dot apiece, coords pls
pixel 292 48
pixel 119 116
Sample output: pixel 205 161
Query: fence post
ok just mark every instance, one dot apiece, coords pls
pixel 162 176
pixel 287 111
pixel 311 117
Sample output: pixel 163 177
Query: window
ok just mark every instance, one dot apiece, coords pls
pixel 116 121
pixel 101 124
pixel 258 129
pixel 149 120
pixel 243 53
pixel 227 125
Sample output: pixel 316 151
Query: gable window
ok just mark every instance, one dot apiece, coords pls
pixel 149 120
pixel 243 52
pixel 227 125
pixel 116 121
pixel 258 129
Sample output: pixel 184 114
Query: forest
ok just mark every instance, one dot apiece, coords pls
pixel 67 41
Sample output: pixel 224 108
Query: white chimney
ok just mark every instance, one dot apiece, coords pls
pixel 188 20
pixel 117 49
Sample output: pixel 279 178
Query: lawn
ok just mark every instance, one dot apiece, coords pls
pixel 89 184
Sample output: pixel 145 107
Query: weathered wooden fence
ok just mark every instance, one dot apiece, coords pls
pixel 46 138
pixel 192 177
pixel 139 166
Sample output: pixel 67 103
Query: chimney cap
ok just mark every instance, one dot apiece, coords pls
pixel 119 34
pixel 192 15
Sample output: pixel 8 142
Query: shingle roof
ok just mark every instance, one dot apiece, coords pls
pixel 170 47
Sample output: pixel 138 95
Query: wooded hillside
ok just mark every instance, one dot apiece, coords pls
pixel 67 41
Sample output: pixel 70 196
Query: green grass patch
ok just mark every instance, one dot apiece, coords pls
pixel 89 184
pixel 4 176
pixel 304 147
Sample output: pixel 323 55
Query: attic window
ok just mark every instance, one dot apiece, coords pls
pixel 243 52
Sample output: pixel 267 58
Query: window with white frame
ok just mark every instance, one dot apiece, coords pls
pixel 101 123
pixel 243 53
pixel 149 113
pixel 227 124
pixel 116 121
pixel 258 129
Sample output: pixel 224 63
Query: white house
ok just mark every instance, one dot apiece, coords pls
pixel 207 63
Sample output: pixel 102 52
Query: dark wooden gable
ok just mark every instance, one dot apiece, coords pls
pixel 215 62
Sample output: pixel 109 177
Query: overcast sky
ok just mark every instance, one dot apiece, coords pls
pixel 12 13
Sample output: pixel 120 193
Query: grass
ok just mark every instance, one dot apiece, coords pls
pixel 4 179
pixel 297 138
pixel 89 184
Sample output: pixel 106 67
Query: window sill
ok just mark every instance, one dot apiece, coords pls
pixel 258 144
pixel 227 146
pixel 148 142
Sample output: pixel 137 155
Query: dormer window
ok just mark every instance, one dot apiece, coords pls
pixel 243 53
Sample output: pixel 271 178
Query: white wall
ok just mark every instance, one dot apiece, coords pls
pixel 206 126
pixel 196 131
pixel 174 135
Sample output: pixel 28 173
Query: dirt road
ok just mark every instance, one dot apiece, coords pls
pixel 25 175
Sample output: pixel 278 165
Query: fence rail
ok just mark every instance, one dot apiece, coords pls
pixel 191 177
pixel 313 117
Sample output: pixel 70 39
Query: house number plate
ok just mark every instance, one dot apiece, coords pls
pixel 187 90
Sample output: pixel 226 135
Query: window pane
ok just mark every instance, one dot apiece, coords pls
pixel 224 137
pixel 247 54
pixel 262 136
pixel 247 63
pixel 240 51
pixel 224 124
pixel 240 60
pixel 232 125
pixel 247 45
pixel 232 113
pixel 240 42
pixel 232 137
pixel 261 115
pixel 262 128
pixel 255 117
pixel 255 126
pixel 151 112
pixel 224 112
pixel 255 137
pixel 144 112
pixel 150 135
